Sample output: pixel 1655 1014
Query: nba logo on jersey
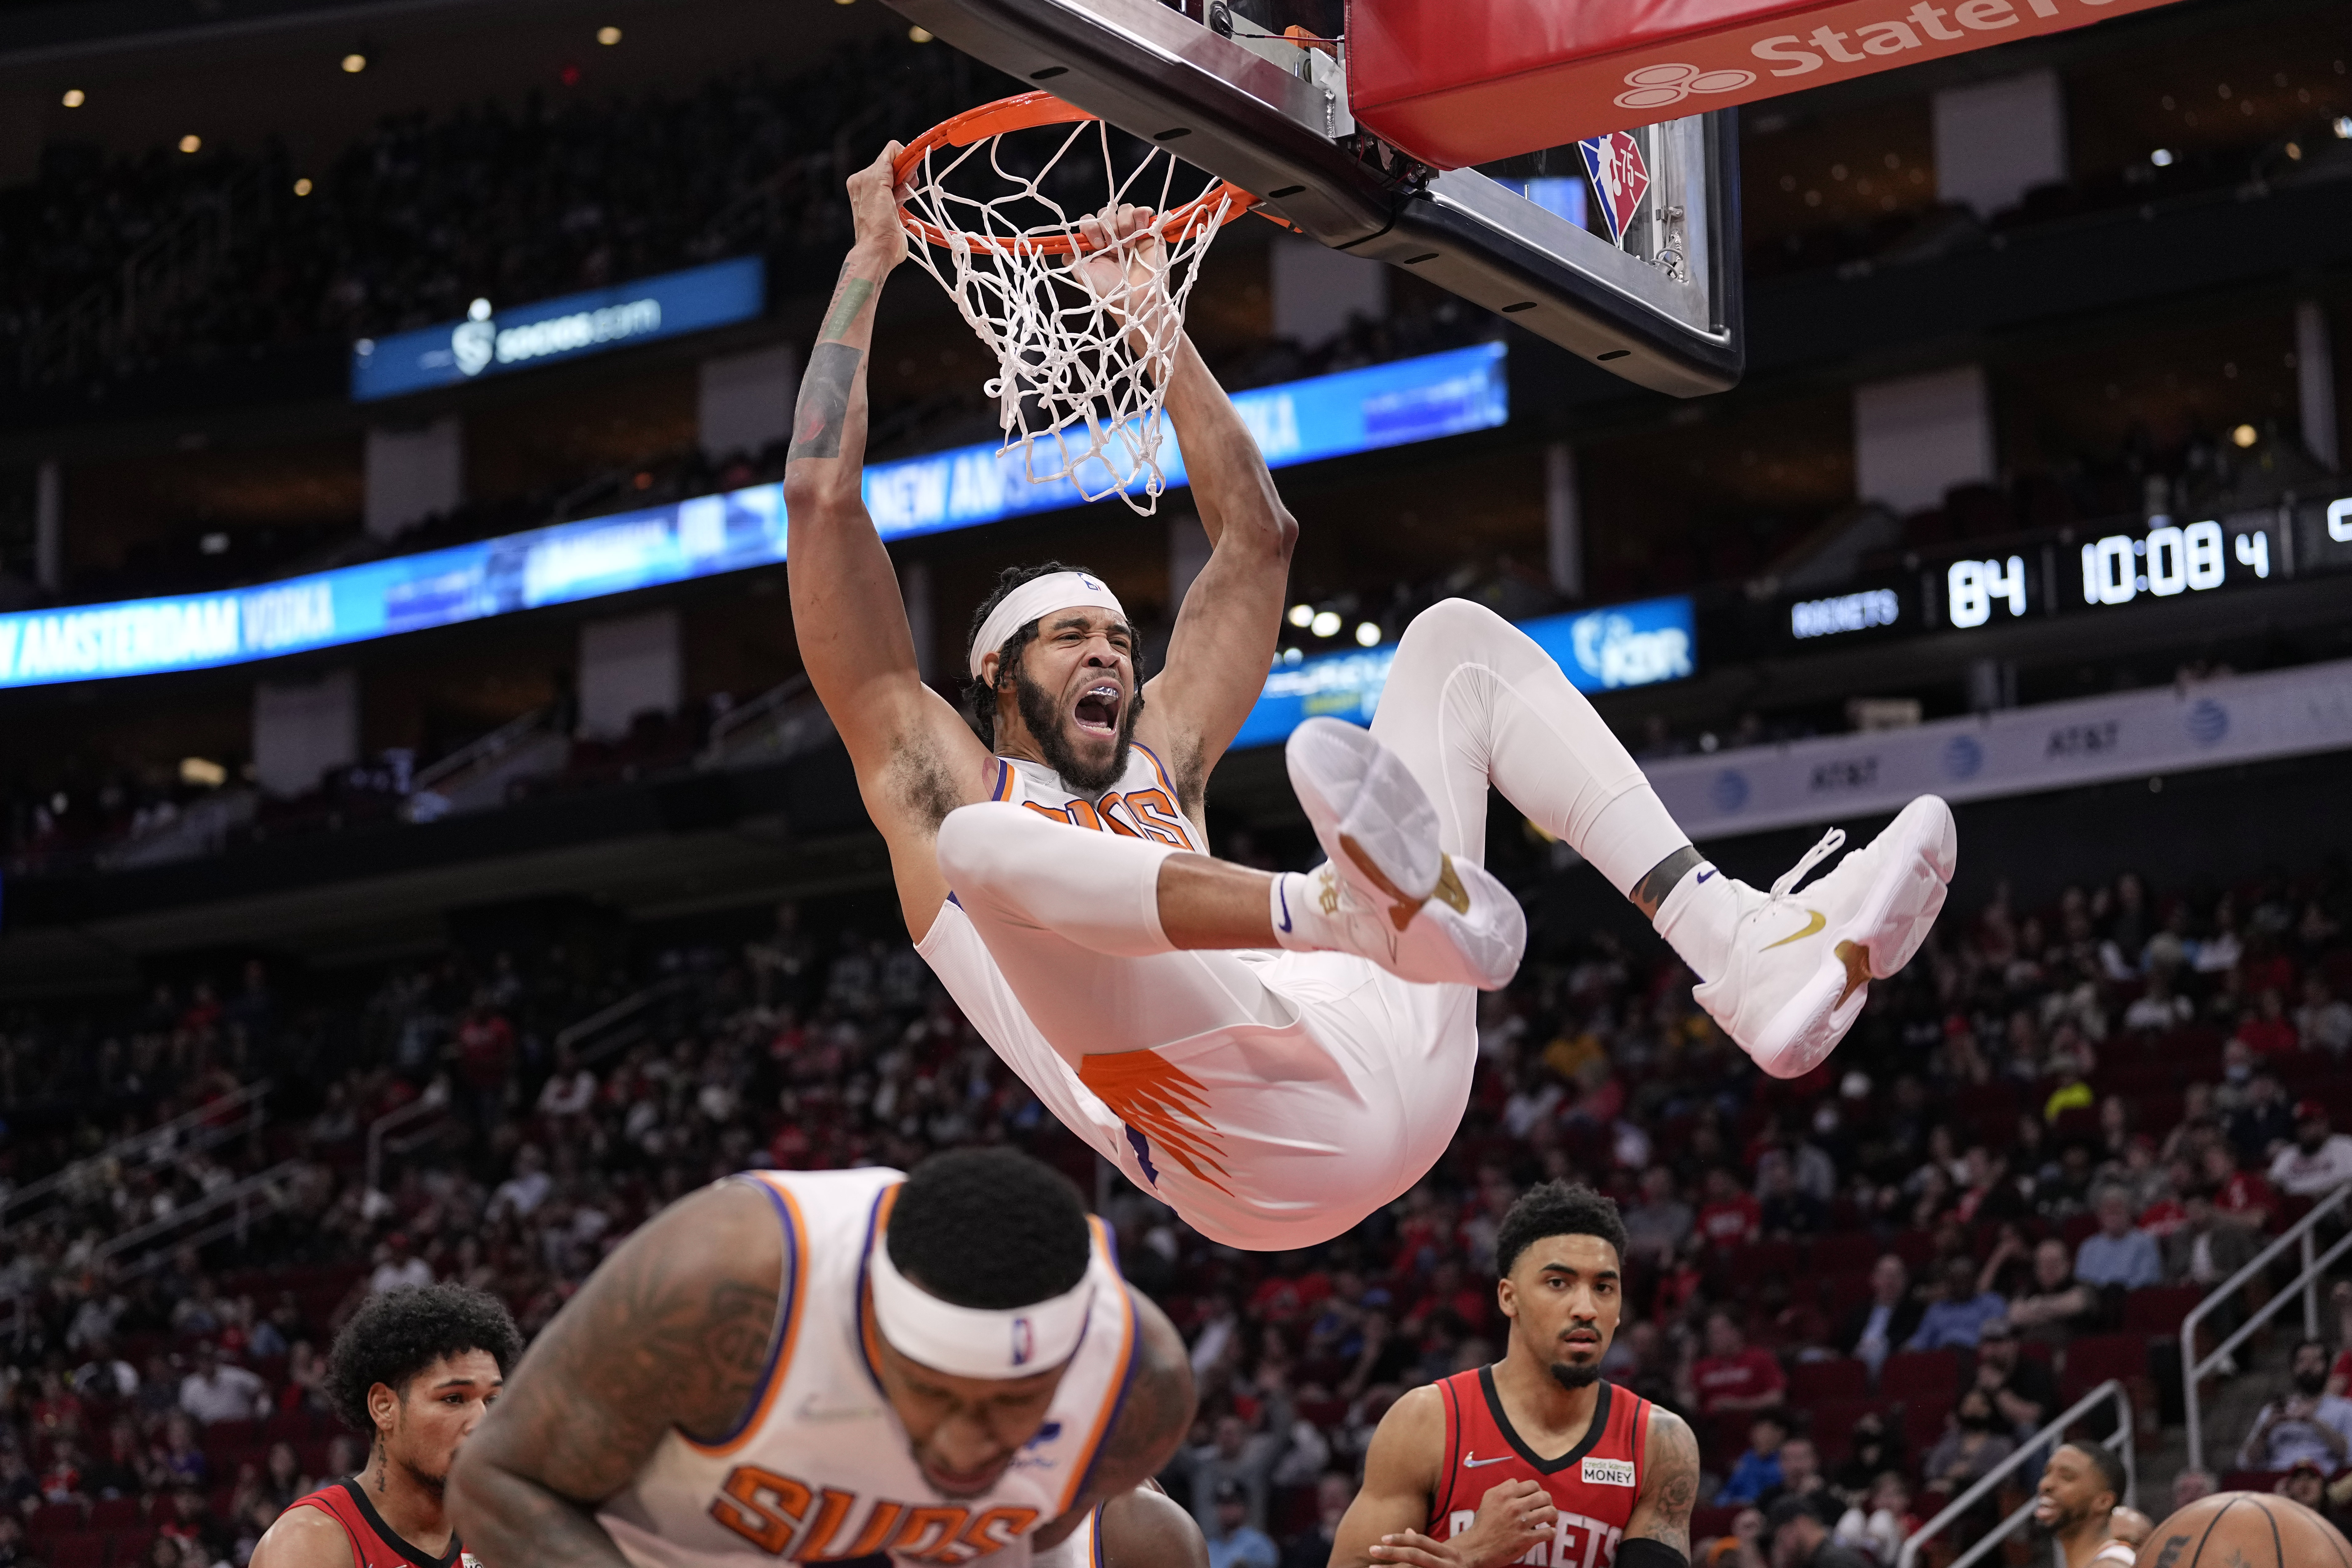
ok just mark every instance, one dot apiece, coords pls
pixel 1025 1341
pixel 1620 178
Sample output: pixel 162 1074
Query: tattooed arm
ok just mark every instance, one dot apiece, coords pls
pixel 1153 1416
pixel 1669 1484
pixel 671 1331
pixel 916 760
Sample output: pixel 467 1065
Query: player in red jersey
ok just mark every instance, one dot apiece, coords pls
pixel 1534 1459
pixel 415 1370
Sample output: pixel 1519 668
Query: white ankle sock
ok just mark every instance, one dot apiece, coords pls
pixel 1306 911
pixel 1697 919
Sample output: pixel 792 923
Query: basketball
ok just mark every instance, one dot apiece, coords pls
pixel 2252 1529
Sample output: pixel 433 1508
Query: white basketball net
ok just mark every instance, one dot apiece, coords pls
pixel 1084 339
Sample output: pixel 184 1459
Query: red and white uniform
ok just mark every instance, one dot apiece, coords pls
pixel 373 1543
pixel 1594 1485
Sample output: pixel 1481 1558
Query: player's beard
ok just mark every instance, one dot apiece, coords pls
pixel 1573 1377
pixel 1045 719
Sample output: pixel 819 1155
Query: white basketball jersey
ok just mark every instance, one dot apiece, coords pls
pixel 1142 805
pixel 820 1468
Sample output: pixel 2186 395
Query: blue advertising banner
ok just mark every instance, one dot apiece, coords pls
pixel 488 342
pixel 1351 411
pixel 1601 650
pixel 1324 416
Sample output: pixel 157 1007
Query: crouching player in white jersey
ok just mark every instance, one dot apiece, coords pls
pixel 1276 1057
pixel 943 1369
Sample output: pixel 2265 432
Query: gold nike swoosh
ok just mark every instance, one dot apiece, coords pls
pixel 1818 920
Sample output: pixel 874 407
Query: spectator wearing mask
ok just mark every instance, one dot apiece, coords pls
pixel 1870 1452
pixel 2116 1255
pixel 2318 1161
pixel 1233 1540
pixel 2308 1423
pixel 1968 1303
pixel 1733 1375
pixel 1872 1330
pixel 1756 1472
pixel 1882 1521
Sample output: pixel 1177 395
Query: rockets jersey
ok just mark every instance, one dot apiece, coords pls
pixel 373 1544
pixel 1594 1485
pixel 820 1468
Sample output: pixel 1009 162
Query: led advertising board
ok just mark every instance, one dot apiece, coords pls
pixel 1296 422
pixel 490 342
pixel 1601 650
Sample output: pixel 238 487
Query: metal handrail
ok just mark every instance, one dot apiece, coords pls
pixel 236 1196
pixel 433 1101
pixel 480 749
pixel 737 717
pixel 622 1019
pixel 2031 1448
pixel 165 1138
pixel 2314 1266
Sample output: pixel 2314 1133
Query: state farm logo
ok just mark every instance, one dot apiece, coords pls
pixel 1655 87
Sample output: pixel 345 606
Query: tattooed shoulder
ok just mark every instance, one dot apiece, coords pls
pixel 1670 1489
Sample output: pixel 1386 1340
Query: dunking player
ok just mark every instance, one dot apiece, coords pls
pixel 944 1367
pixel 1535 1459
pixel 415 1370
pixel 2082 1487
pixel 1139 987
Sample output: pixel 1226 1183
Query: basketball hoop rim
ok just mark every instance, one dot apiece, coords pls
pixel 1024 111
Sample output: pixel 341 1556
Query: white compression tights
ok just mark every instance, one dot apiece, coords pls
pixel 1471 701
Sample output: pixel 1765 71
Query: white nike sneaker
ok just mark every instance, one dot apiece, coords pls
pixel 1801 963
pixel 1415 910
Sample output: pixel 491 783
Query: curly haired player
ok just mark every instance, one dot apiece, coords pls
pixel 1274 1056
pixel 415 1370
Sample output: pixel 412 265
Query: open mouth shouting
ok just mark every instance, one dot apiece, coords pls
pixel 1097 709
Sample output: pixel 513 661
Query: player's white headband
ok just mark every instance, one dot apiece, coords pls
pixel 1034 600
pixel 975 1342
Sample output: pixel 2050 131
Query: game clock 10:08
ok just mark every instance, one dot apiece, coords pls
pixel 2164 561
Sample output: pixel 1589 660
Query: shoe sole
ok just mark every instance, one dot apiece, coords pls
pixel 1370 814
pixel 1880 936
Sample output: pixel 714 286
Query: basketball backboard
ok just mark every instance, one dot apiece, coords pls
pixel 1223 84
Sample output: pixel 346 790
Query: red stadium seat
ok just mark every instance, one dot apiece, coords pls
pixel 1706 1523
pixel 2157 1310
pixel 117 1513
pixel 83 1550
pixel 1810 1382
pixel 1856 1250
pixel 1933 1376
